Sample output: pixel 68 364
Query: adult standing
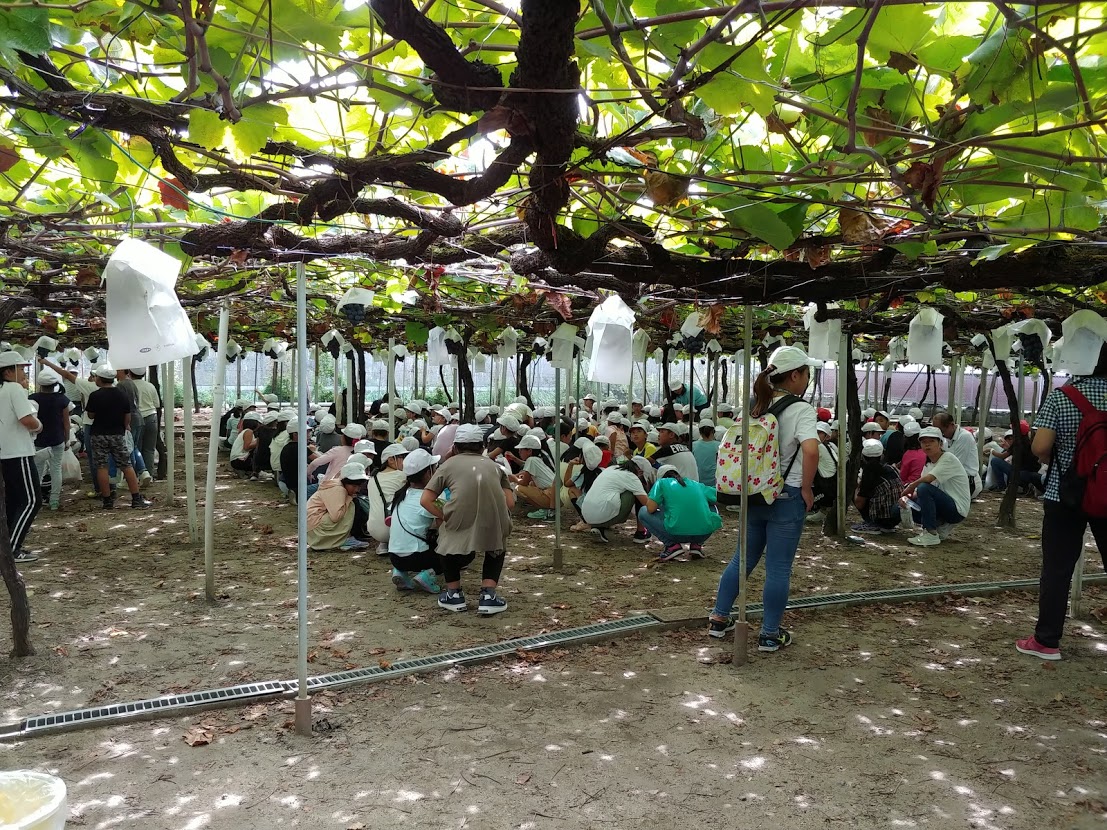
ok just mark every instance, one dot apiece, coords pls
pixel 942 494
pixel 126 378
pixel 53 414
pixel 774 530
pixel 149 402
pixel 1063 525
pixel 110 411
pixel 962 446
pixel 18 425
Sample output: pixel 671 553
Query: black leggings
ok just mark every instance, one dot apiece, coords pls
pixel 360 528
pixel 491 569
pixel 422 560
pixel 22 497
pixel 244 465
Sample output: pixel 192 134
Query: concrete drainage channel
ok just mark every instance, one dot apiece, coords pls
pixel 250 693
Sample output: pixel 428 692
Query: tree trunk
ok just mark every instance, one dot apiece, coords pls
pixel 467 404
pixel 926 388
pixel 163 454
pixel 816 387
pixel 361 384
pixel 725 372
pixel 1006 517
pixel 522 386
pixel 445 388
pixel 17 589
pixel 196 393
pixel 887 391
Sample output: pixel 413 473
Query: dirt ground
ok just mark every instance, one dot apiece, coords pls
pixel 905 716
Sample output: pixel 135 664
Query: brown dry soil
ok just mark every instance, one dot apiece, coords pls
pixel 896 716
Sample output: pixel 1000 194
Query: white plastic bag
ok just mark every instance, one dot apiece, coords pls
pixel 924 338
pixel 610 329
pixel 71 467
pixel 1083 334
pixel 563 340
pixel 824 338
pixel 145 321
pixel 436 347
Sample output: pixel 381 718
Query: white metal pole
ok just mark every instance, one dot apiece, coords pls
pixel 315 376
pixel 293 360
pixel 558 561
pixel 351 365
pixel 190 460
pixel 845 365
pixel 303 702
pixel 337 390
pixel 217 394
pixel 502 397
pixel 390 383
pixel 741 628
pixel 737 390
pixel 715 389
pixel 238 376
pixel 169 412
pixel 983 405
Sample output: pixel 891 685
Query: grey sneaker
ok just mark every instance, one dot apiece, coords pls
pixel 25 556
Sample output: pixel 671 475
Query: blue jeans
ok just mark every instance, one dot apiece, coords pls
pixel 655 524
pixel 137 461
pixel 937 508
pixel 1001 472
pixel 774 532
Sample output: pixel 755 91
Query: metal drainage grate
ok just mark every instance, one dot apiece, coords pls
pixel 754 609
pixel 153 707
pixel 479 654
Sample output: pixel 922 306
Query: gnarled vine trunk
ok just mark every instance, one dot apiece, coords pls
pixel 1006 517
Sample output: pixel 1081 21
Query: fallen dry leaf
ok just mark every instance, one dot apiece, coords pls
pixel 523 779
pixel 197 736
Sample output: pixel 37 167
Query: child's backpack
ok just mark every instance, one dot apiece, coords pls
pixel 765 476
pixel 1084 483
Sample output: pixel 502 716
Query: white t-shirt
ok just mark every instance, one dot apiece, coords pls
pixel 542 475
pixel 951 479
pixel 828 460
pixel 963 448
pixel 85 388
pixel 601 502
pixel 16 440
pixel 797 424
pixel 238 449
pixel 682 459
pixel 148 400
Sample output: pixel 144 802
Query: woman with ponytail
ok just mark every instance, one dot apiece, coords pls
pixel 774 530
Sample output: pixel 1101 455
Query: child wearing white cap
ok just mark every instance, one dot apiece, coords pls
pixel 18 425
pixel 534 483
pixel 337 457
pixel 412 541
pixel 878 491
pixel 334 519
pixel 53 414
pixel 475 520
pixel 381 491
pixel 706 452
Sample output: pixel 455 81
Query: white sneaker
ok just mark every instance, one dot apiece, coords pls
pixel 926 539
pixel 816 516
pixel 145 478
pixel 944 531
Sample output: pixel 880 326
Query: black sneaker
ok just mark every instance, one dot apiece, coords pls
pixel 641 536
pixel 670 553
pixel 138 502
pixel 720 629
pixel 452 601
pixel 600 534
pixel 108 503
pixel 776 642
pixel 490 602
pixel 25 556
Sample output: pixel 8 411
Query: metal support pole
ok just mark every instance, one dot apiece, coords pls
pixel 190 460
pixel 742 628
pixel 303 702
pixel 841 372
pixel 715 389
pixel 238 377
pixel 1076 591
pixel 502 396
pixel 315 375
pixel 558 559
pixel 351 408
pixel 217 394
pixel 337 391
pixel 169 411
pixel 390 388
pixel 983 404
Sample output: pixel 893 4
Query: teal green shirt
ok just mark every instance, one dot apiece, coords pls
pixel 698 399
pixel 687 508
pixel 707 459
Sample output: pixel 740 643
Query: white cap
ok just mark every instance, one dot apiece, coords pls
pixel 665 469
pixel 411 443
pixel 675 385
pixel 365 446
pixel 823 426
pixel 508 422
pixel 790 358
pixel 871 426
pixel 480 415
pixel 673 428
pixel 872 448
pixel 615 418
pixel 326 424
pixel 353 472
pixel 286 415
pixel 911 428
pixel 642 425
pixel 529 442
pixel 655 411
pixel 915 412
pixel 589 397
pixel 601 439
pixel 385 408
pixel 495 435
pixel 379 426
pixel 393 450
pixel 269 418
pixel 419 460
pixel 682 428
pixel 725 409
pixel 635 400
pixel 355 431
pixel 705 423
pixel 931 432
pixel 105 371
pixel 867 413
pixel 469 434
pixel 293 424
pixel 47 377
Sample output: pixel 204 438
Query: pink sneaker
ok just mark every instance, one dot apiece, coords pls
pixel 1035 649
